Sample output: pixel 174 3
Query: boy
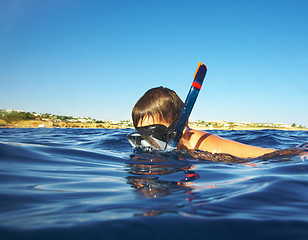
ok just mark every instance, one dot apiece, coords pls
pixel 163 106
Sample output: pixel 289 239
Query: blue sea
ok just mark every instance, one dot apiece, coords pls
pixel 90 184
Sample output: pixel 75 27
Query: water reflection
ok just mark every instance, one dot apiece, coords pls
pixel 148 173
pixel 172 177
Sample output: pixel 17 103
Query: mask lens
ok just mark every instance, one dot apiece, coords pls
pixel 143 141
pixel 155 143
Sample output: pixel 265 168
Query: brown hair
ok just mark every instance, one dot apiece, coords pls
pixel 158 102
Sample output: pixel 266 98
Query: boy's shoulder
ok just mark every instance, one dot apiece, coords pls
pixel 200 138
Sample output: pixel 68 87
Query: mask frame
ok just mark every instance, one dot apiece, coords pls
pixel 154 136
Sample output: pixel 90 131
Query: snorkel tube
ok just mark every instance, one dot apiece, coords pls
pixel 188 105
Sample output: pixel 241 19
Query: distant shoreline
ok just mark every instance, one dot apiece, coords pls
pixel 237 128
pixel 62 124
pixel 20 119
pixel 105 125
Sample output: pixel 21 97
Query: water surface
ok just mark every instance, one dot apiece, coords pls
pixel 88 183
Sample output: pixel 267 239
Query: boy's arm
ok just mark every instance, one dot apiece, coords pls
pixel 217 144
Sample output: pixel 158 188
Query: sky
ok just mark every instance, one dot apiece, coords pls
pixel 95 59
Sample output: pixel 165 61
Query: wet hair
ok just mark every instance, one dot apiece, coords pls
pixel 161 103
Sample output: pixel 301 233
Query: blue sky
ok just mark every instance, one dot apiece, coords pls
pixel 96 58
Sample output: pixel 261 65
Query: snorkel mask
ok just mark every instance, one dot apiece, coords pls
pixel 154 136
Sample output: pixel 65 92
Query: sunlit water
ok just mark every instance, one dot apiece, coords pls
pixel 89 184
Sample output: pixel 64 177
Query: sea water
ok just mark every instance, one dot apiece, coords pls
pixel 90 184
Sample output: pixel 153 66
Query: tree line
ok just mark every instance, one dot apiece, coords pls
pixel 10 116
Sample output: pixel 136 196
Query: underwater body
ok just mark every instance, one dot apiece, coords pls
pixel 90 183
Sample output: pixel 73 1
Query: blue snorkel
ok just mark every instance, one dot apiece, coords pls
pixel 188 105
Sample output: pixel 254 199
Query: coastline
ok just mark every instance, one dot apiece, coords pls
pixel 63 124
pixel 50 124
pixel 20 119
pixel 239 128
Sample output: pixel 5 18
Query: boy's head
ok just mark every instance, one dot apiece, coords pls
pixel 158 103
